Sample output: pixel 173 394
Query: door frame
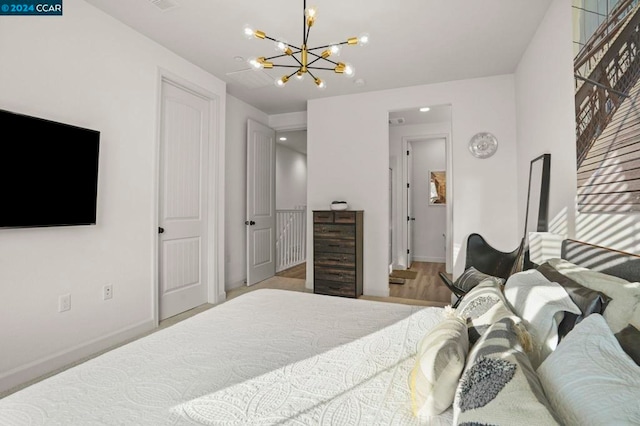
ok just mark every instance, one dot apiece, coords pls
pixel 449 206
pixel 215 216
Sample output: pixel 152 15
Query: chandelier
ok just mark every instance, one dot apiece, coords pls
pixel 305 60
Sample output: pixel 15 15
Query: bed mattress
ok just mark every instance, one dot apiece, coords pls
pixel 266 357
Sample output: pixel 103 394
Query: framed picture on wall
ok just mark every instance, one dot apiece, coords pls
pixel 437 188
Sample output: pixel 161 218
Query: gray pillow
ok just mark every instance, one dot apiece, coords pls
pixel 629 339
pixel 589 301
pixel 472 277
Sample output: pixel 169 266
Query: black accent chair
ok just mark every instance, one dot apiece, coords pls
pixel 488 260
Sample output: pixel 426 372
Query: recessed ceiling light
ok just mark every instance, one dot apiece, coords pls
pixel 359 82
pixel 424 109
pixel 283 138
pixel 238 58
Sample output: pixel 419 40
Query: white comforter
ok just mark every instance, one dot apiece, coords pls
pixel 267 357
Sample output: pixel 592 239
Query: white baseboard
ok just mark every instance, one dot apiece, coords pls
pixel 429 259
pixel 49 364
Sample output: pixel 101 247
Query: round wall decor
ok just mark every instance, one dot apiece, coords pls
pixel 483 145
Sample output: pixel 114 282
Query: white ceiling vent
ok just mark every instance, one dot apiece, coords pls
pixel 251 79
pixel 164 5
pixel 398 120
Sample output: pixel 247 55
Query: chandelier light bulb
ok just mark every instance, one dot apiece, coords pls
pixel 300 76
pixel 363 39
pixel 248 32
pixel 335 49
pixel 321 84
pixel 281 46
pixel 349 70
pixel 282 81
pixel 311 12
pixel 255 63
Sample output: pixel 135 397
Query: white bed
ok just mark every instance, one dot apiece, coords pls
pixel 266 357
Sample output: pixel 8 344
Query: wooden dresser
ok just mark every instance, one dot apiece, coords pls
pixel 337 252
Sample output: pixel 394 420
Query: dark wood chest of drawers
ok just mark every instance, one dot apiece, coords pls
pixel 337 252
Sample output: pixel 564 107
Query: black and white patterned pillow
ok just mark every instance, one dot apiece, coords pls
pixel 480 299
pixel 498 385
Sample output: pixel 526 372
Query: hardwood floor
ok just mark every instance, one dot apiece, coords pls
pixel 426 286
pixel 298 271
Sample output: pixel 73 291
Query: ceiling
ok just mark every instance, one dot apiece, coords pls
pixel 295 140
pixel 413 116
pixel 412 42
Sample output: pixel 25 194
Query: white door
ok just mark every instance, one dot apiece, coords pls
pixel 261 200
pixel 184 138
pixel 410 218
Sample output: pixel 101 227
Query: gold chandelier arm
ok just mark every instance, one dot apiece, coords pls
pixel 283 55
pixel 320 57
pixel 320 68
pixel 326 46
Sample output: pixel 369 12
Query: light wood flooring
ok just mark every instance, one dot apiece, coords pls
pixel 426 287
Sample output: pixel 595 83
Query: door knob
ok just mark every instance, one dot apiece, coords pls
pixel 161 230
pixel 249 222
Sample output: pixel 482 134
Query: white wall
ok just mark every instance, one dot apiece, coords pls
pixel 291 178
pixel 348 159
pixel 86 69
pixel 431 220
pixel 396 156
pixel 546 123
pixel 238 112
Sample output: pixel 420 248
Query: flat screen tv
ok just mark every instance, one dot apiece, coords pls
pixel 48 172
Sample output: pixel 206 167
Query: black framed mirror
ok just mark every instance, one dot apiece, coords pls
pixel 537 212
pixel 537 216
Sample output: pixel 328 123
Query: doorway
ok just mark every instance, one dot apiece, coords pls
pixel 291 203
pixel 281 179
pixel 421 247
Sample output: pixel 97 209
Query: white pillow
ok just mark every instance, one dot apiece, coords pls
pixel 624 307
pixel 441 357
pixel 541 304
pixel 590 380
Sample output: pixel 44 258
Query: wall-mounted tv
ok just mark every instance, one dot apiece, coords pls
pixel 48 172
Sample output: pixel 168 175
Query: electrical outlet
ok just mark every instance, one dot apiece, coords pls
pixel 64 302
pixel 107 292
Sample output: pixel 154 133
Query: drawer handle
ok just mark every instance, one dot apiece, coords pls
pixel 335 288
pixel 334 245
pixel 336 273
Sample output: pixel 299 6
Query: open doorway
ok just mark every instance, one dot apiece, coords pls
pixel 421 202
pixel 291 200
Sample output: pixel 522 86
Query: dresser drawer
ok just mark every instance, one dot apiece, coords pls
pixel 334 231
pixel 344 217
pixel 330 245
pixel 323 217
pixel 332 288
pixel 344 260
pixel 334 274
